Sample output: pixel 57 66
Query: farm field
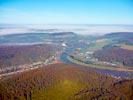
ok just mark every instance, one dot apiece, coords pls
pixel 105 53
pixel 64 69
pixel 66 49
pixel 129 47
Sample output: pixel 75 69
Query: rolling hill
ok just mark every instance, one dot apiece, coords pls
pixel 15 55
pixel 64 82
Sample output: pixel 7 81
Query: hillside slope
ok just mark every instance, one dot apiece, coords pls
pixel 25 54
pixel 64 82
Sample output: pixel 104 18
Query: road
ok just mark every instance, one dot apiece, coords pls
pixel 112 73
pixel 27 67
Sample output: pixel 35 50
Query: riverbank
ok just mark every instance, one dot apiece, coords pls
pixel 106 71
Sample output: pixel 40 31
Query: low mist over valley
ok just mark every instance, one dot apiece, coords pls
pixel 66 49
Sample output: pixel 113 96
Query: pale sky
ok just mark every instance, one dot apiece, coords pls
pixel 66 11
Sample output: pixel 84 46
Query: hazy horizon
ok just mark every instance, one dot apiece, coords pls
pixel 53 28
pixel 89 17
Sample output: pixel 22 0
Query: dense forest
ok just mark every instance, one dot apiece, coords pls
pixel 24 54
pixel 121 37
pixel 115 54
pixel 64 82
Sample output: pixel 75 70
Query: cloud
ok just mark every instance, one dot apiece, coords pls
pixel 79 29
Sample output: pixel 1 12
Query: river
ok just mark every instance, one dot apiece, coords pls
pixel 113 73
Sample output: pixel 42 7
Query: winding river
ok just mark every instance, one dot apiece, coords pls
pixel 113 73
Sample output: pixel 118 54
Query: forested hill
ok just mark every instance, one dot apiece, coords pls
pixel 64 82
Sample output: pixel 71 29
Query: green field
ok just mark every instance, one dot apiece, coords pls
pixel 99 44
pixel 64 90
pixel 91 65
pixel 96 45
